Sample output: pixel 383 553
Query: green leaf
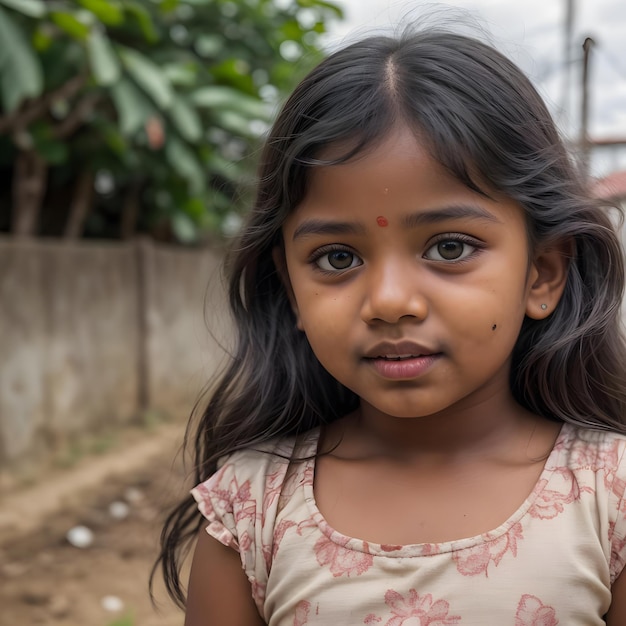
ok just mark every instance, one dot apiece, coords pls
pixel 185 119
pixel 70 24
pixel 292 30
pixel 226 169
pixel 233 122
pixel 330 6
pixel 115 140
pixel 185 164
pixel 148 76
pixel 144 19
pixel 184 228
pixel 168 5
pixel 107 11
pixel 52 150
pixel 194 207
pixel 220 97
pixel 104 64
pixel 184 74
pixel 133 108
pixel 208 45
pixel 32 8
pixel 20 70
pixel 41 40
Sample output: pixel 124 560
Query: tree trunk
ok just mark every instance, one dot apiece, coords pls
pixel 29 186
pixel 79 209
pixel 130 211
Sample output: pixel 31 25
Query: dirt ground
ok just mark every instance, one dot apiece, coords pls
pixel 121 498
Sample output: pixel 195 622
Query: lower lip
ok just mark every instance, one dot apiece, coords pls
pixel 405 369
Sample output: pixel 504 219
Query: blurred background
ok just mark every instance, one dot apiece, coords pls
pixel 129 132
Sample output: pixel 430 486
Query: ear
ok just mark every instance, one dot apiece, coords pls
pixel 278 256
pixel 547 278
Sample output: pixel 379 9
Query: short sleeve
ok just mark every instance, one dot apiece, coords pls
pixel 617 513
pixel 216 503
pixel 239 503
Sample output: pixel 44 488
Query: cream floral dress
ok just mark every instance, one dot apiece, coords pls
pixel 552 562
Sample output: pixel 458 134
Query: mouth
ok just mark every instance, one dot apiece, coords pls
pixel 400 357
pixel 401 361
pixel 401 351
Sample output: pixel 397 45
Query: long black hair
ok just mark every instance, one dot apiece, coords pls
pixel 481 118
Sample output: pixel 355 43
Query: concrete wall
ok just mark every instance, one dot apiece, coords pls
pixel 91 334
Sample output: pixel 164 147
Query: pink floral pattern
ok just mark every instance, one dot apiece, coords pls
pixel 475 561
pixel 340 560
pixel 532 612
pixel 264 507
pixel 551 502
pixel 413 607
pixel 301 617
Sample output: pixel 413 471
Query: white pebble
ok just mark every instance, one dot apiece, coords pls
pixel 112 604
pixel 80 536
pixel 119 510
pixel 133 495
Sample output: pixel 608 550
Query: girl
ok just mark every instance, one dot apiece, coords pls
pixel 423 418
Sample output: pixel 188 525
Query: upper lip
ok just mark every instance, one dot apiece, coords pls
pixel 391 349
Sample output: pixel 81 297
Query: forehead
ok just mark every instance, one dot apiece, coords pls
pixel 399 163
pixel 396 179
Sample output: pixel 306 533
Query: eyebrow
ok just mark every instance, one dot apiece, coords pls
pixel 327 227
pixel 453 212
pixel 413 220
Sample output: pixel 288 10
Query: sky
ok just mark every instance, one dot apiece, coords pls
pixel 531 33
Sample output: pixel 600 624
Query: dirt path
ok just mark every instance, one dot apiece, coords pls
pixel 44 580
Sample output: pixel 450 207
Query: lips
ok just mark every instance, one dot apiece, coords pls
pixel 405 360
pixel 398 351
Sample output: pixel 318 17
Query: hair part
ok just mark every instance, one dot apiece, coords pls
pixel 481 118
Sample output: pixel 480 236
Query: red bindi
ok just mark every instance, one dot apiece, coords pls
pixel 382 221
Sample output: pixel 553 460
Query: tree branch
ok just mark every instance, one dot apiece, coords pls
pixel 38 108
pixel 79 208
pixel 76 117
pixel 29 186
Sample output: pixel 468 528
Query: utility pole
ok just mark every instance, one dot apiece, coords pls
pixel 584 142
pixel 568 35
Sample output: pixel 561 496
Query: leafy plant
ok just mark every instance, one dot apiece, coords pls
pixel 126 116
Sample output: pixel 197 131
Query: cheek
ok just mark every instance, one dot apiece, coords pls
pixel 488 317
pixel 326 320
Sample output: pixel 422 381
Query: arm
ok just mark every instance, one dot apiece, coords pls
pixel 617 613
pixel 219 592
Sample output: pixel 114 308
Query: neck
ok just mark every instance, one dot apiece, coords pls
pixel 491 425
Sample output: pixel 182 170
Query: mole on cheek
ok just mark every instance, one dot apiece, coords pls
pixel 382 221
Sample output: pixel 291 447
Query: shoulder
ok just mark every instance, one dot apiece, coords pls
pixel 246 476
pixel 240 502
pixel 596 450
pixel 596 461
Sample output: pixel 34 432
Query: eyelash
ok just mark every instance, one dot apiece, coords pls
pixel 457 238
pixel 324 251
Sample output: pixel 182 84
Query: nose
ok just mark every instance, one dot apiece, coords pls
pixel 393 293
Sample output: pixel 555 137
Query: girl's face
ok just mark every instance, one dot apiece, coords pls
pixel 410 287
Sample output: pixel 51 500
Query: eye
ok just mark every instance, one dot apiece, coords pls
pixel 337 260
pixel 450 249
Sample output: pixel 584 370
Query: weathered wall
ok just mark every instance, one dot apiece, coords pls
pixel 92 333
pixel 182 347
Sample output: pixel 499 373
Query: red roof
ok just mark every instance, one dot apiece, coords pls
pixel 611 187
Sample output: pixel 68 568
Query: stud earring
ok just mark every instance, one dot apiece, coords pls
pixel 544 306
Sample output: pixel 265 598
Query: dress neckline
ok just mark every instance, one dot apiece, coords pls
pixel 308 449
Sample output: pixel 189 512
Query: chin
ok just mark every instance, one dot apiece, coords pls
pixel 402 412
